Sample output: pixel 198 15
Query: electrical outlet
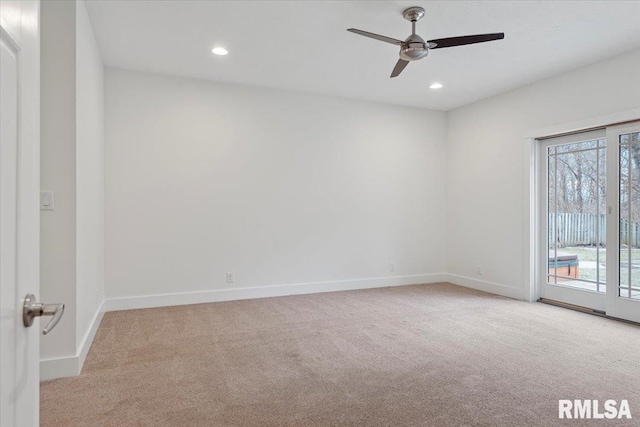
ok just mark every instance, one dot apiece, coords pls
pixel 392 267
pixel 479 270
pixel 230 278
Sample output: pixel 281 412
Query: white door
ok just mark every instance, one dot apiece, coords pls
pixel 572 180
pixel 19 209
pixel 623 297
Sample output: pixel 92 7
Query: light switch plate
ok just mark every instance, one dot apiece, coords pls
pixel 46 200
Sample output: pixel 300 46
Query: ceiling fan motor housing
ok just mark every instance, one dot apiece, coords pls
pixel 413 48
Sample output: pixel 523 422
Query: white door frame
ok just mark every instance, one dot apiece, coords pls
pixel 20 26
pixel 530 215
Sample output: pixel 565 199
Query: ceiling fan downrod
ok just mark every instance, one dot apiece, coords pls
pixel 413 14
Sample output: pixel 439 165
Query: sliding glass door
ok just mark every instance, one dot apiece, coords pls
pixel 589 210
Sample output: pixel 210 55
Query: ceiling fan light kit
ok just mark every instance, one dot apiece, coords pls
pixel 414 47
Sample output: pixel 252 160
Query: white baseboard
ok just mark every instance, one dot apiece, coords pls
pixel 89 336
pixel 150 301
pixel 58 367
pixel 71 366
pixel 482 285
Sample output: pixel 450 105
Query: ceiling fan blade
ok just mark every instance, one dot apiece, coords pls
pixel 376 36
pixel 462 40
pixel 400 65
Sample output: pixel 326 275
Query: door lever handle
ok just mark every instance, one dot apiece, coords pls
pixel 32 309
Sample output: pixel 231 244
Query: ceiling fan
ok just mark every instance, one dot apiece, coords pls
pixel 414 47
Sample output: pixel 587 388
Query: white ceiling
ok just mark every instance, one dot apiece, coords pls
pixel 304 45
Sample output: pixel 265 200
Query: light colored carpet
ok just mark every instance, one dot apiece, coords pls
pixel 430 355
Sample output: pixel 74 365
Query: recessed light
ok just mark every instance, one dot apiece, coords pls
pixel 435 86
pixel 219 51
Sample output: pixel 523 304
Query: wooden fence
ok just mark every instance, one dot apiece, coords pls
pixel 581 229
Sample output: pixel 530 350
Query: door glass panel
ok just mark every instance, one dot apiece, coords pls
pixel 576 189
pixel 601 217
pixel 629 215
pixel 577 146
pixel 552 208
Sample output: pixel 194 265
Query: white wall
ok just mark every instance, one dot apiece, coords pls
pixel 485 173
pixel 89 174
pixel 72 166
pixel 58 172
pixel 278 187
